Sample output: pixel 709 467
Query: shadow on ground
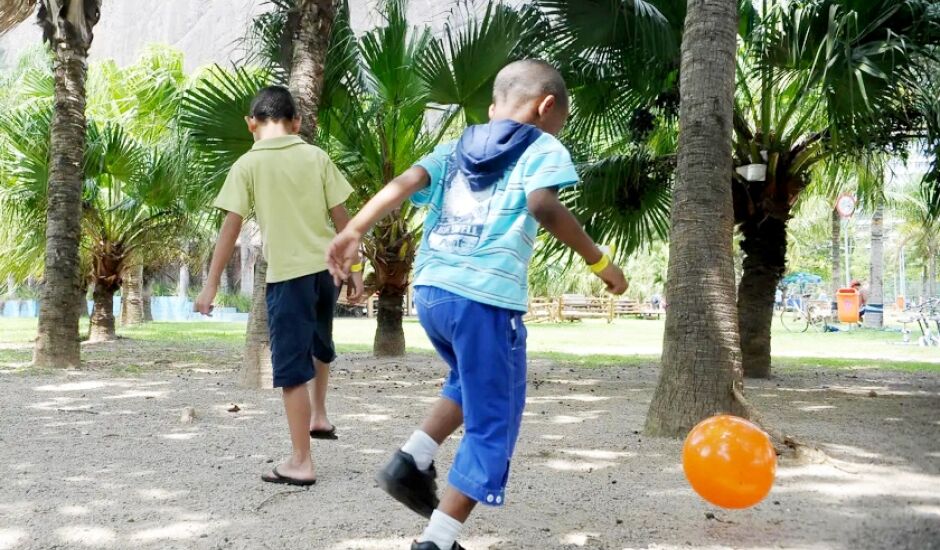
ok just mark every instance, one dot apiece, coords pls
pixel 99 458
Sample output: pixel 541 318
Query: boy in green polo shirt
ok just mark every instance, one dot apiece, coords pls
pixel 294 191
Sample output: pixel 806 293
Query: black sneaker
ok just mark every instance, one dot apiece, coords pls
pixel 428 545
pixel 402 479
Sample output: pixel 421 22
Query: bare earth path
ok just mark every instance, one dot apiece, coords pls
pixel 98 458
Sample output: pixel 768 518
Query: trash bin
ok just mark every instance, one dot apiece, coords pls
pixel 848 305
pixel 899 302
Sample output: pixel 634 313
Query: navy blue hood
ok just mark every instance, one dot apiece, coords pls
pixel 485 151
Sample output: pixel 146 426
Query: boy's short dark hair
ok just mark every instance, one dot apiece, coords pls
pixel 529 79
pixel 273 103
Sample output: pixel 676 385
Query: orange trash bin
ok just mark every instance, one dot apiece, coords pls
pixel 848 303
pixel 900 303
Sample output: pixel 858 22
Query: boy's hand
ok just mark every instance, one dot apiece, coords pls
pixel 204 301
pixel 342 253
pixel 614 279
pixel 355 289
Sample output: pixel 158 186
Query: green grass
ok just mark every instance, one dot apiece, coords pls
pixel 586 344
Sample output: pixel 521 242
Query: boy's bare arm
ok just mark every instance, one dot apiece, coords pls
pixel 561 223
pixel 356 286
pixel 224 247
pixel 344 249
pixel 340 217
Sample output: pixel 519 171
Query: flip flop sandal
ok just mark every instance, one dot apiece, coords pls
pixel 276 477
pixel 324 434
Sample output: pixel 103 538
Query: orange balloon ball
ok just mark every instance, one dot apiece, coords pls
pixel 729 461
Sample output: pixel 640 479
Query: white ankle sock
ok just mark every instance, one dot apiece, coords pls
pixel 443 530
pixel 422 447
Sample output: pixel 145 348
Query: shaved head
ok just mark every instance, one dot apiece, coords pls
pixel 528 80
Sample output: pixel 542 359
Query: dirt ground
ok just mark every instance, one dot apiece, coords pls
pixel 98 458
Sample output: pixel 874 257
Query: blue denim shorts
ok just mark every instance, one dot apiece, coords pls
pixel 485 348
pixel 300 319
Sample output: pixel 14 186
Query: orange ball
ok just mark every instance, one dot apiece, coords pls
pixel 729 461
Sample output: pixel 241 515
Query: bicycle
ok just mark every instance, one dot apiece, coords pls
pixel 923 315
pixel 799 315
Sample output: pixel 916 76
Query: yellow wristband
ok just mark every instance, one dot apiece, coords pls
pixel 600 265
pixel 355 268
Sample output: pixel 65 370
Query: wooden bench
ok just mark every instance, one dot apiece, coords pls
pixel 574 307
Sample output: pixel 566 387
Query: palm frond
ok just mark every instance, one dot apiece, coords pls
pixel 460 67
pixel 213 111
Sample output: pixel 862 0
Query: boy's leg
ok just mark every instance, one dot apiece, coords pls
pixel 490 349
pixel 410 477
pixel 297 407
pixel 318 419
pixel 324 353
pixel 442 420
pixel 292 324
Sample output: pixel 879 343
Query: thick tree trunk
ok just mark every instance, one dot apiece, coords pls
pixel 836 256
pixel 874 314
pixel 765 253
pixel 132 296
pixel 701 362
pixel 389 334
pixel 256 370
pixel 57 340
pixel 101 328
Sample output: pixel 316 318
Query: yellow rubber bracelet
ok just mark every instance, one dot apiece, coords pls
pixel 355 268
pixel 601 265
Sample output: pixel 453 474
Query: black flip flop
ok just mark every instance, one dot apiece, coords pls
pixel 277 477
pixel 324 434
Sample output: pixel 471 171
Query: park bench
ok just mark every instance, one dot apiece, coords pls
pixel 574 307
pixel 625 306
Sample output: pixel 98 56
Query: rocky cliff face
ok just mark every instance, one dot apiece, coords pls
pixel 207 31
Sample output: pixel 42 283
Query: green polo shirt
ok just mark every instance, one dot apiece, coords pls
pixel 290 186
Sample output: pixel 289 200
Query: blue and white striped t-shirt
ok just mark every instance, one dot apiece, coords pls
pixel 477 244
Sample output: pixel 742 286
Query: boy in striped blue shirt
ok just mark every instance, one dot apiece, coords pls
pixel 485 195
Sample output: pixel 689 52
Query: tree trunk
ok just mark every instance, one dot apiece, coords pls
pixel 765 248
pixel 874 309
pixel 247 284
pixel 932 274
pixel 57 340
pixel 836 256
pixel 224 287
pixel 132 296
pixel 101 328
pixel 256 370
pixel 389 334
pixel 701 360
pixel 81 302
pixel 182 287
pixel 148 300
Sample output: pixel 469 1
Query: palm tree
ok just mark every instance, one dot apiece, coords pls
pixel 816 81
pixel 67 27
pixel 134 200
pixel 701 349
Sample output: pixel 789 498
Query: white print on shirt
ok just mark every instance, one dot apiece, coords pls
pixel 463 215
